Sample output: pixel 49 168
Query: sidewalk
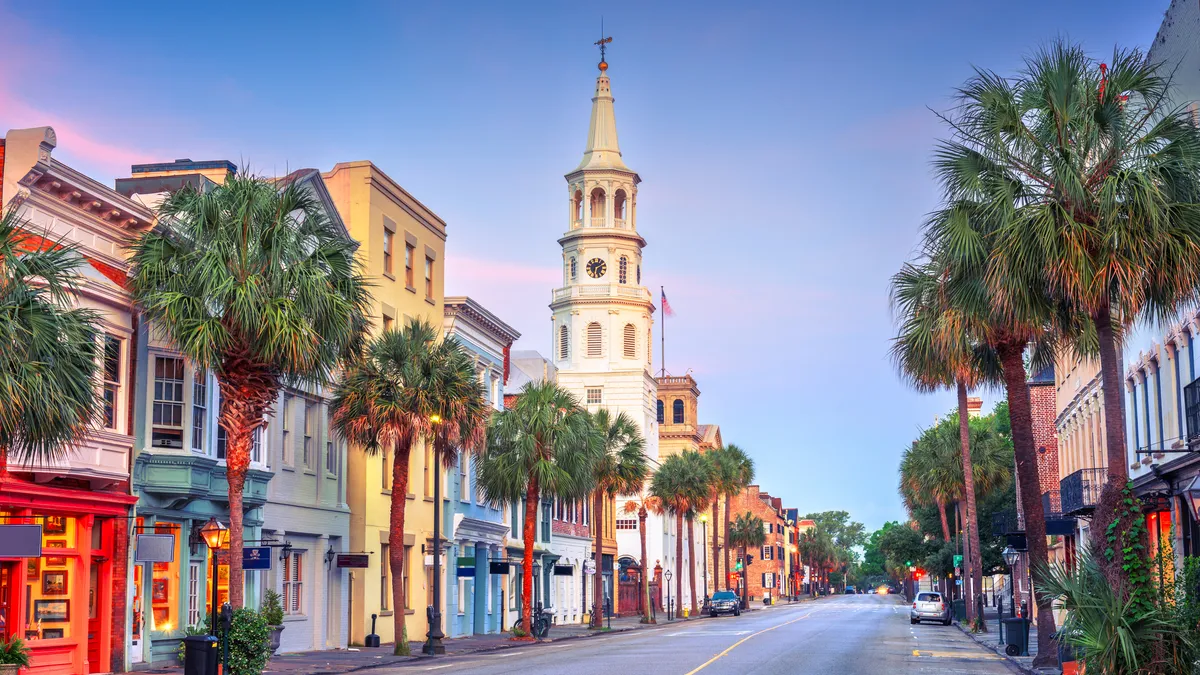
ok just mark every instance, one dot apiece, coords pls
pixel 991 640
pixel 337 661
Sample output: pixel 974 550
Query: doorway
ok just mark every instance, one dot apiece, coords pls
pixel 8 604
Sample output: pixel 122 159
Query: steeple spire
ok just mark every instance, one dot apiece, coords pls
pixel 602 151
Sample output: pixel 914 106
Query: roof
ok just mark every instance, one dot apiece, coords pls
pixel 464 305
pixel 185 165
pixel 602 150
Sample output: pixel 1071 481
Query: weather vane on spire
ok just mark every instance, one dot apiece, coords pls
pixel 602 43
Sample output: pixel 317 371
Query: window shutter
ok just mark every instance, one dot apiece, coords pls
pixel 630 341
pixel 562 342
pixel 594 343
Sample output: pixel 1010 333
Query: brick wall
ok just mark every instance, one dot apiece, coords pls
pixel 120 576
pixel 1045 438
pixel 763 506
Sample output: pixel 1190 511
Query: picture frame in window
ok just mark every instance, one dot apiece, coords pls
pixel 54 582
pixel 162 567
pixel 158 591
pixel 53 633
pixel 51 611
pixel 54 525
pixel 162 616
pixel 33 569
pixel 55 560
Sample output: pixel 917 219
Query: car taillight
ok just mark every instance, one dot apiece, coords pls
pixel 943 606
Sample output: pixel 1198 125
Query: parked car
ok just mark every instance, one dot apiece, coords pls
pixel 725 602
pixel 930 606
pixel 850 590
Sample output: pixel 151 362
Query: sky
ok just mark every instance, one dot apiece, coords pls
pixel 784 150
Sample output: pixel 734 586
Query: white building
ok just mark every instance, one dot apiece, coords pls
pixel 1177 48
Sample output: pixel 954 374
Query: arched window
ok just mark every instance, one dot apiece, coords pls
pixel 639 275
pixel 623 270
pixel 630 341
pixel 577 208
pixel 594 343
pixel 677 411
pixel 574 269
pixel 562 343
pixel 598 205
pixel 661 414
pixel 619 208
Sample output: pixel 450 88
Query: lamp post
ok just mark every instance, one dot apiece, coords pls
pixel 1011 556
pixel 667 576
pixel 433 643
pixel 216 536
pixel 704 558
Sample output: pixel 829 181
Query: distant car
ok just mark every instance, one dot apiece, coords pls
pixel 930 606
pixel 871 591
pixel 725 602
pixel 850 590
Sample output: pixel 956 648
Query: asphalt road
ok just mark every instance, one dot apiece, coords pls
pixel 860 634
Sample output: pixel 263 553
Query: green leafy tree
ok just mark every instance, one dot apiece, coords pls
pixel 620 471
pixel 48 363
pixel 543 446
pixel 250 281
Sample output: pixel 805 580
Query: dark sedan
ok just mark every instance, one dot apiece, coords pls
pixel 725 602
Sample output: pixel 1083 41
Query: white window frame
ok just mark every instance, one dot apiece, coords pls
pixel 199 424
pixel 193 597
pixel 155 401
pixel 464 477
pixel 293 584
pixel 115 386
pixel 597 399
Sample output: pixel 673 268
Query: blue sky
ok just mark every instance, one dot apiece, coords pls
pixel 783 147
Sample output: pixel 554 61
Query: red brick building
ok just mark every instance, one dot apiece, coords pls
pixel 765 572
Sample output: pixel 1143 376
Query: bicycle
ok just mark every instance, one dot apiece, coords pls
pixel 541 622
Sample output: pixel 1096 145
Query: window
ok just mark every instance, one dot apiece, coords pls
pixel 768 553
pixel 408 265
pixel 289 456
pixel 387 248
pixel 199 408
pixel 623 270
pixel 428 470
pixel 404 565
pixel 630 341
pixel 661 415
pixel 594 339
pixel 293 583
pixel 545 520
pixel 222 442
pixel 112 379
pixel 167 431
pixel 563 341
pixel 574 270
pixel 428 278
pixel 385 586
pixel 627 524
pixel 462 595
pixel 310 433
pixel 677 411
pixel 256 447
pixel 388 323
pixel 464 476
pixel 639 275
pixel 193 597
pixel 595 395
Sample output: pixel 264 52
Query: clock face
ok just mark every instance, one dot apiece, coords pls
pixel 596 268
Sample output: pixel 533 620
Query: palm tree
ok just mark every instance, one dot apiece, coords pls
pixel 250 281
pixel 643 508
pixel 679 484
pixel 543 446
pixel 1088 177
pixel 699 498
pixel 409 387
pixel 733 471
pixel 620 471
pixel 49 357
pixel 747 532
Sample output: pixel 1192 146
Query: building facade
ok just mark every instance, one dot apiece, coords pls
pixel 72 605
pixel 476 529
pixel 763 575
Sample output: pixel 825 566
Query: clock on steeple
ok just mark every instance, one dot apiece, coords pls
pixel 596 268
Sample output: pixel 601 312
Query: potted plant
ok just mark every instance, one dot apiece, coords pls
pixel 13 655
pixel 272 613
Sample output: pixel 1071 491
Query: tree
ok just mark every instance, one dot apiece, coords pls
pixel 681 484
pixel 409 387
pixel 48 363
pixel 700 497
pixel 643 508
pixel 747 532
pixel 733 472
pixel 543 446
pixel 249 280
pixel 620 470
pixel 1087 176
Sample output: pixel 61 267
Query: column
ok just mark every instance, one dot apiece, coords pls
pixel 322 597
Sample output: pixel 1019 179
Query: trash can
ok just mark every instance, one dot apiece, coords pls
pixel 960 610
pixel 1016 634
pixel 200 655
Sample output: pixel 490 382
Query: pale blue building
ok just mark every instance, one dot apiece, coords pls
pixel 476 531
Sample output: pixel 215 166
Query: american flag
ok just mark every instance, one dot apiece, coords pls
pixel 666 306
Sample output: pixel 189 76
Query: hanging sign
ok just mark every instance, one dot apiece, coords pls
pixel 464 572
pixel 564 570
pixel 153 548
pixel 256 558
pixel 353 560
pixel 20 541
pixel 497 568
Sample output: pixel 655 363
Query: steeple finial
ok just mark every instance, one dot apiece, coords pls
pixel 602 43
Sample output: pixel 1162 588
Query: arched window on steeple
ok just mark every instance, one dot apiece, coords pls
pixel 598 206
pixel 661 415
pixel 574 269
pixel 595 342
pixel 619 201
pixel 623 270
pixel 563 343
pixel 630 341
pixel 639 275
pixel 577 209
pixel 677 411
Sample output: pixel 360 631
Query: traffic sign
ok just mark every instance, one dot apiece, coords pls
pixel 958 560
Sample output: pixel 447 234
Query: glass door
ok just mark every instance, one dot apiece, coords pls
pixel 8 607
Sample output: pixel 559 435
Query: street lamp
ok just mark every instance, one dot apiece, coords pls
pixel 704 558
pixel 1011 556
pixel 433 643
pixel 216 536
pixel 667 576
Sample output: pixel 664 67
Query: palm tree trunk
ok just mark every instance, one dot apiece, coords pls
pixel 395 561
pixel 597 587
pixel 716 561
pixel 1021 416
pixel 679 559
pixel 529 533
pixel 692 561
pixel 646 617
pixel 1107 510
pixel 727 546
pixel 975 571
pixel 945 524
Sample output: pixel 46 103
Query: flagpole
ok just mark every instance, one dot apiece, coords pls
pixel 662 354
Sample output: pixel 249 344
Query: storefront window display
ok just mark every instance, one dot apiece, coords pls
pixel 222 579
pixel 51 581
pixel 164 586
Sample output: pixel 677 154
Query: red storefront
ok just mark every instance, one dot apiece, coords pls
pixel 69 604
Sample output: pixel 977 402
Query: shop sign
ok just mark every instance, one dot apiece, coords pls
pixel 20 541
pixel 155 548
pixel 256 558
pixel 353 560
pixel 564 570
pixel 497 567
pixel 466 571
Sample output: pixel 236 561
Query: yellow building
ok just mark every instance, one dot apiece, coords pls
pixel 402 246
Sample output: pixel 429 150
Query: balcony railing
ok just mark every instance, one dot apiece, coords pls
pixel 601 291
pixel 1081 491
pixel 1052 505
pixel 1007 522
pixel 1191 406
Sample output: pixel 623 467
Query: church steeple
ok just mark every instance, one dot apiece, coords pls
pixel 602 151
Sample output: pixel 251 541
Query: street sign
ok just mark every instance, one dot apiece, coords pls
pixel 589 566
pixel 497 567
pixel 152 548
pixel 354 560
pixel 20 541
pixel 958 560
pixel 256 558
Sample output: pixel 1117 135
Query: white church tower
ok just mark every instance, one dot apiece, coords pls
pixel 603 315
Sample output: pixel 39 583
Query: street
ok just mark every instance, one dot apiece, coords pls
pixel 835 636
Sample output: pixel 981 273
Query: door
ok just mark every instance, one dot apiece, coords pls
pixel 8 604
pixel 99 594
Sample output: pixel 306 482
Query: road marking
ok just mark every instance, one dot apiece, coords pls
pixel 439 667
pixel 958 655
pixel 508 654
pixel 707 632
pixel 739 642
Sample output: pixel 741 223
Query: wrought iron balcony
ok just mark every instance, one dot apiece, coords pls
pixel 1007 522
pixel 1081 491
pixel 1052 505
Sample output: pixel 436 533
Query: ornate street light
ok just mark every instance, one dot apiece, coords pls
pixel 216 535
pixel 1011 556
pixel 433 643
pixel 704 558
pixel 667 576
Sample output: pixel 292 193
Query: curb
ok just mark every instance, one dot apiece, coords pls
pixel 991 646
